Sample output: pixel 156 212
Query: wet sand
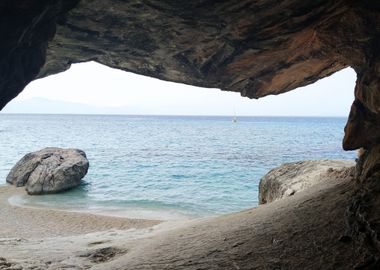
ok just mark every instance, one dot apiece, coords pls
pixel 43 238
pixel 28 222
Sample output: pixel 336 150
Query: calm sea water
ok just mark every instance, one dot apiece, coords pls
pixel 168 166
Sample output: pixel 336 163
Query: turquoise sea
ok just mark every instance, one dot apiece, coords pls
pixel 168 167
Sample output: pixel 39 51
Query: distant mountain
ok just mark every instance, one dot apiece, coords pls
pixel 43 105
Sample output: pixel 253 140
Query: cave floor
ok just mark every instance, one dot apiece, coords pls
pixel 308 230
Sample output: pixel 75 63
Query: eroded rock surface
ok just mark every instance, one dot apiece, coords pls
pixel 50 170
pixel 26 27
pixel 290 178
pixel 252 47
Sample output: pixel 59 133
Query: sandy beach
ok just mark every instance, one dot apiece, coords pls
pixel 36 223
pixel 269 235
pixel 41 238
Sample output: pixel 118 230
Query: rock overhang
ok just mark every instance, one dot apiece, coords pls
pixel 255 47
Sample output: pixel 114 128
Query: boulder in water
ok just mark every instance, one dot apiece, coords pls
pixel 50 170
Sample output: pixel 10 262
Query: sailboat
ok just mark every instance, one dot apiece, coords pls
pixel 234 119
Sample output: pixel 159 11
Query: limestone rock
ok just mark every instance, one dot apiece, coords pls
pixel 50 170
pixel 290 178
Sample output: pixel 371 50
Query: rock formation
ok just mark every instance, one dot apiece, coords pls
pixel 290 178
pixel 50 170
pixel 255 47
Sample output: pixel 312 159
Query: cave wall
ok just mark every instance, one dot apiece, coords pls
pixel 26 27
pixel 255 47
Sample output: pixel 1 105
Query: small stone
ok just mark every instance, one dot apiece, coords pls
pixel 290 192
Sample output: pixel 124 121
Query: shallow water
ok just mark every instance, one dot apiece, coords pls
pixel 168 166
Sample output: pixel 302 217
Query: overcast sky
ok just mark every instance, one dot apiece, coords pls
pixel 99 86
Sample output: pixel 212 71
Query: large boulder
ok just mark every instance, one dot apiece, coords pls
pixel 290 178
pixel 50 170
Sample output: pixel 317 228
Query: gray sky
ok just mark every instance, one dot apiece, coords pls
pixel 104 90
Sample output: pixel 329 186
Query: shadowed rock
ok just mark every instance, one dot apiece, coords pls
pixel 289 178
pixel 50 170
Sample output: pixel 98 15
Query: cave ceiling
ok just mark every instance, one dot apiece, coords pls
pixel 255 47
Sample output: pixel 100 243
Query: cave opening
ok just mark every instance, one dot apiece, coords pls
pixel 170 141
pixel 256 48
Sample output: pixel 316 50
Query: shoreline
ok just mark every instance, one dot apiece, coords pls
pixel 60 239
pixel 289 227
pixel 18 198
pixel 29 221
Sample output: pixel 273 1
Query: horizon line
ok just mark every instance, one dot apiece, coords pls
pixel 182 115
